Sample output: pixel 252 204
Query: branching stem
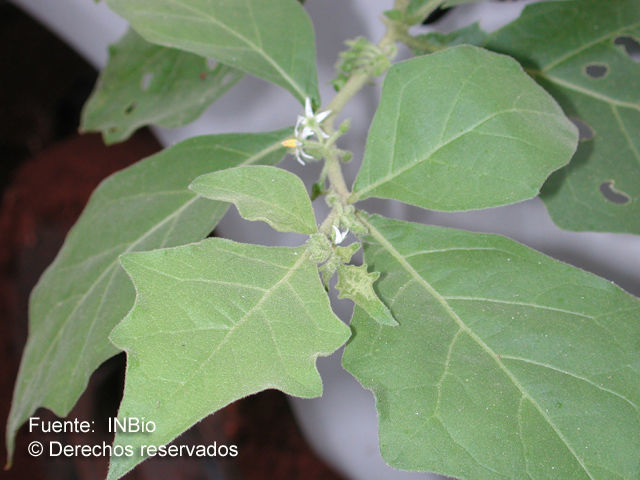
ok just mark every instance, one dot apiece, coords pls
pixel 396 32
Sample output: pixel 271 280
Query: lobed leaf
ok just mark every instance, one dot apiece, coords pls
pixel 271 39
pixel 84 293
pixel 214 322
pixel 262 193
pixel 146 84
pixel 505 363
pixel 356 283
pixel 462 129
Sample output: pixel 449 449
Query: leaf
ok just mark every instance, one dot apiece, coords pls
pixel 418 10
pixel 262 193
pixel 562 44
pixel 356 284
pixel 145 84
pixel 271 39
pixel 557 42
pixel 434 41
pixel 506 363
pixel 462 129
pixel 214 322
pixel 84 293
pixel 453 3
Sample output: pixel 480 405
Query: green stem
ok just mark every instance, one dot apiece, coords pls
pixel 336 179
pixel 346 93
pixel 357 81
pixel 419 44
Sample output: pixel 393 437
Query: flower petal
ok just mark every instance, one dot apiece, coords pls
pixel 322 115
pixel 308 110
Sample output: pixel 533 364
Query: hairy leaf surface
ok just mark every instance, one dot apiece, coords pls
pixel 462 129
pixel 146 84
pixel 271 39
pixel 580 51
pixel 356 283
pixel 85 293
pixel 434 41
pixel 505 363
pixel 573 50
pixel 214 322
pixel 262 193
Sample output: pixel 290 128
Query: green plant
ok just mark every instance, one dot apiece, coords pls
pixel 487 359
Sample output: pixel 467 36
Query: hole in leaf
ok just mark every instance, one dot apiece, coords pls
pixel 596 70
pixel 631 46
pixel 211 63
pixel 584 129
pixel 130 108
pixel 146 81
pixel 609 192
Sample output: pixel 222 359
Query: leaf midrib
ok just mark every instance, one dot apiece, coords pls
pixel 357 195
pixel 388 246
pixel 38 370
pixel 303 256
pixel 572 53
pixel 236 34
pixel 582 90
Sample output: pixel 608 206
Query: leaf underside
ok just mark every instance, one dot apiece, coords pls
pixel 146 84
pixel 214 322
pixel 505 363
pixel 462 129
pixel 270 194
pixel 85 293
pixel 271 39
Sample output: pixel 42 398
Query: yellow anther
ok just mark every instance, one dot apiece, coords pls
pixel 290 143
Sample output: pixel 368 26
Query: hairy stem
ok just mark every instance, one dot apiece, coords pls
pixel 346 93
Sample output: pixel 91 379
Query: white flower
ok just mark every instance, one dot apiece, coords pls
pixel 300 154
pixel 307 126
pixel 338 235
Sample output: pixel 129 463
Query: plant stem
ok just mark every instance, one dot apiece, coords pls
pixel 336 179
pixel 346 93
pixel 355 83
pixel 419 44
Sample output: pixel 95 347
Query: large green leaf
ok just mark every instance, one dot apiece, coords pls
pixel 576 51
pixel 146 84
pixel 462 129
pixel 271 39
pixel 561 44
pixel 214 322
pixel 262 193
pixel 506 363
pixel 85 293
